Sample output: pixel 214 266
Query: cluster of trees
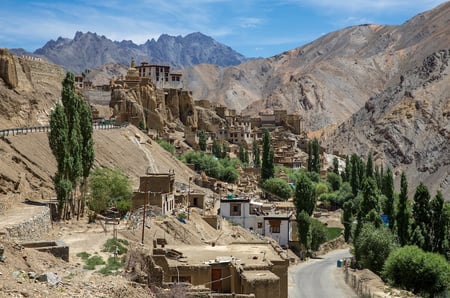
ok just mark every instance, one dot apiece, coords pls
pixel 72 144
pixel 220 168
pixel 386 226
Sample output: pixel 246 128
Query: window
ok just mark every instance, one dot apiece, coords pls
pixel 275 229
pixel 260 225
pixel 275 226
pixel 235 209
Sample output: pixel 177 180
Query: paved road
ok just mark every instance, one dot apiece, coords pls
pixel 320 278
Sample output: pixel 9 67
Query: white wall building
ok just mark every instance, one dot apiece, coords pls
pixel 248 214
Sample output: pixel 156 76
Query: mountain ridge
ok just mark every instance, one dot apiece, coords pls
pixel 90 50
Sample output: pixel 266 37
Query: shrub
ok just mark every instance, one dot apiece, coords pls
pixel 167 146
pixel 112 267
pixel 113 243
pixel 373 246
pixel 318 234
pixel 92 262
pixel 278 187
pixel 421 272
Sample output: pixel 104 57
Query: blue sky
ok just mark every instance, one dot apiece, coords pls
pixel 254 28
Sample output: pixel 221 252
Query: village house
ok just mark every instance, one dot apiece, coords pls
pixel 249 214
pixel 160 75
pixel 258 268
pixel 156 189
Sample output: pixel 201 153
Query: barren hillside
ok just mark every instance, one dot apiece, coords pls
pixel 27 164
pixel 329 79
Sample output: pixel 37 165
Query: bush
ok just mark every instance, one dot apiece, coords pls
pixel 278 187
pixel 92 262
pixel 113 266
pixel 115 243
pixel 373 246
pixel 167 146
pixel 334 180
pixel 318 234
pixel 422 272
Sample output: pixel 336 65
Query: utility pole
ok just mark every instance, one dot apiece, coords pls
pixel 143 216
pixel 189 197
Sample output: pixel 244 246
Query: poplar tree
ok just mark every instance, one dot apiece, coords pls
pixel 336 166
pixel 387 188
pixel 440 224
pixel 202 140
pixel 87 153
pixel 267 167
pixel 403 212
pixel 256 153
pixel 369 166
pixel 216 149
pixel 305 195
pixel 422 217
pixel 242 153
pixel 314 156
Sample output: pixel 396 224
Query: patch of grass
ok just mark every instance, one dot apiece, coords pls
pixel 92 262
pixel 113 243
pixel 112 267
pixel 333 233
pixel 83 255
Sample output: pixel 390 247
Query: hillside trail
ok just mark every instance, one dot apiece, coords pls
pixel 152 166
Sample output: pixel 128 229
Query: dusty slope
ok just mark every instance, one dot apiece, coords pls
pixel 331 78
pixel 27 164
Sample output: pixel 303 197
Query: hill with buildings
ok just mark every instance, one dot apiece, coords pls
pixel 89 50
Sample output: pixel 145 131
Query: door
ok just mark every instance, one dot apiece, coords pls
pixel 216 275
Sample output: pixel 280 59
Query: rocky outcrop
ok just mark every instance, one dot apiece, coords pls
pixel 8 69
pixel 147 106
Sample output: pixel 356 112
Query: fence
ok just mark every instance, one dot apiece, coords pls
pixel 25 130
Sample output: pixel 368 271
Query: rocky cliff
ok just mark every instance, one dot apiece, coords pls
pixel 28 90
pixel 89 50
pixel 8 69
pixel 407 126
pixel 158 109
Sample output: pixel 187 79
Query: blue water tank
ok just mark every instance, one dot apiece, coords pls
pixel 339 263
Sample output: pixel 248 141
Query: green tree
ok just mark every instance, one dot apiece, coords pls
pixel 355 178
pixel 87 151
pixel 318 234
pixel 314 156
pixel 403 217
pixel 225 150
pixel 411 268
pixel 334 180
pixel 202 140
pixel 387 188
pixel 216 149
pixel 347 218
pixel 268 167
pixel 66 141
pixel 336 165
pixel 304 230
pixel 305 195
pixel 369 166
pixel 278 187
pixel 439 225
pixel 373 246
pixel 243 154
pixel 256 153
pixel 346 174
pixel 369 207
pixel 422 216
pixel 109 187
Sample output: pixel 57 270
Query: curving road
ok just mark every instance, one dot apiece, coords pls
pixel 320 278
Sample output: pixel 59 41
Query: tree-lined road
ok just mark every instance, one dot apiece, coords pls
pixel 320 278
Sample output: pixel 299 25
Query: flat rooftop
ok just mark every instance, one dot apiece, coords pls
pixel 263 275
pixel 257 253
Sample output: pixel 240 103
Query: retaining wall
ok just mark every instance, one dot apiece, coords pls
pixel 31 229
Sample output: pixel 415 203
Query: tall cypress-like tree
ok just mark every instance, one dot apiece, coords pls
pixel 440 224
pixel 347 219
pixel 256 153
pixel 242 153
pixel 369 166
pixel 336 165
pixel 314 156
pixel 347 173
pixel 355 177
pixel 66 142
pixel 202 140
pixel 305 195
pixel 267 167
pixel 387 188
pixel 87 153
pixel 216 149
pixel 403 212
pixel 422 217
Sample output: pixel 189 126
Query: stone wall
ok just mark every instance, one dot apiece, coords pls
pixel 31 229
